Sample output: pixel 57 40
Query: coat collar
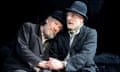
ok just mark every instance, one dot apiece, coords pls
pixel 78 36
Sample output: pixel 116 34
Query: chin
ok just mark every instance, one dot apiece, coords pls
pixel 51 36
pixel 70 28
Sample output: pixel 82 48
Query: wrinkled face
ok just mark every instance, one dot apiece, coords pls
pixel 74 20
pixel 52 27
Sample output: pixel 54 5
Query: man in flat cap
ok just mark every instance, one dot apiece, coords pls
pixel 32 44
pixel 75 49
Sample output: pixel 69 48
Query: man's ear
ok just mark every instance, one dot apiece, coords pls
pixel 82 20
pixel 47 20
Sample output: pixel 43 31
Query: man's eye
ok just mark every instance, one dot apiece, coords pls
pixel 56 23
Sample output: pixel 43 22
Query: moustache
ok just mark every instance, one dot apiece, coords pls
pixel 69 23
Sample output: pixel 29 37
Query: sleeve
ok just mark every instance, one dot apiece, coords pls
pixel 53 51
pixel 22 47
pixel 77 61
pixel 58 49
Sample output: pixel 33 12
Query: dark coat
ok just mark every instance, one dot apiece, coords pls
pixel 82 51
pixel 28 51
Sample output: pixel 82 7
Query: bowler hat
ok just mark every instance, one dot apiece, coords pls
pixel 59 15
pixel 79 7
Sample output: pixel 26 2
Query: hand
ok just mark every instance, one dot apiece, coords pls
pixel 43 64
pixel 55 64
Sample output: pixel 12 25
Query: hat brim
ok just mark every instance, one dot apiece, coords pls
pixel 76 11
pixel 58 18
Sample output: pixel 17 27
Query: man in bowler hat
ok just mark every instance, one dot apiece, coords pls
pixel 33 41
pixel 75 49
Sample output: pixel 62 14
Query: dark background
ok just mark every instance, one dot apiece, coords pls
pixel 14 14
pixel 101 13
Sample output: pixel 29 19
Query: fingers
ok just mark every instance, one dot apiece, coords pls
pixel 52 64
pixel 55 64
pixel 43 64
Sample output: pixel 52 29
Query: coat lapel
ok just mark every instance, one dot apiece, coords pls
pixel 78 37
pixel 38 34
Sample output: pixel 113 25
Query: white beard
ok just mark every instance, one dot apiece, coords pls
pixel 47 33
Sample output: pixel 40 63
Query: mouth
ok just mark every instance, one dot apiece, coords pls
pixel 52 30
pixel 70 23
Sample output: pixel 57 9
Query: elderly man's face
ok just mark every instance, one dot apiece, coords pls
pixel 74 20
pixel 52 27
